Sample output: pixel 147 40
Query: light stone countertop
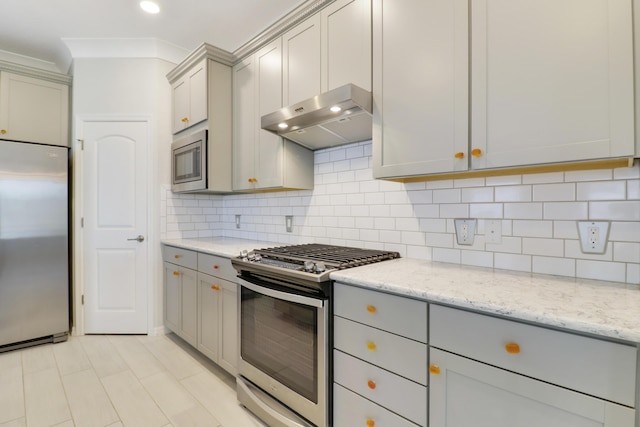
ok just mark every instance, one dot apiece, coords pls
pixel 601 308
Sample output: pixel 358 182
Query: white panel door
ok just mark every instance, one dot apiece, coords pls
pixel 115 214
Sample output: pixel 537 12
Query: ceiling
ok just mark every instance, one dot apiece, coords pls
pixel 35 28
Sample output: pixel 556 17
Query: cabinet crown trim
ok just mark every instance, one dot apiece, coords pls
pixel 205 50
pixel 36 73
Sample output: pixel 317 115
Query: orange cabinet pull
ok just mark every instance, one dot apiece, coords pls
pixel 3 131
pixel 371 346
pixel 459 155
pixel 371 309
pixel 176 273
pixel 512 348
pixel 177 256
pixel 476 152
pixel 215 287
pixel 371 384
pixel 215 267
pixel 370 422
pixel 185 119
pixel 434 369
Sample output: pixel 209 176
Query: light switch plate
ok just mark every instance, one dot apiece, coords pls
pixel 237 221
pixel 288 221
pixel 465 231
pixel 593 236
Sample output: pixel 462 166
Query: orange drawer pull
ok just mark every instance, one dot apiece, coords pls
pixel 371 309
pixel 177 256
pixel 371 384
pixel 434 369
pixel 370 422
pixel 512 348
pixel 371 346
pixel 476 152
pixel 215 287
pixel 459 155
pixel 215 267
pixel 176 273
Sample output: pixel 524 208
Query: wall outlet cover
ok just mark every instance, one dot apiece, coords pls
pixel 593 236
pixel 493 231
pixel 465 230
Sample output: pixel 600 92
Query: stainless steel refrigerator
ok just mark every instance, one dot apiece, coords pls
pixel 34 254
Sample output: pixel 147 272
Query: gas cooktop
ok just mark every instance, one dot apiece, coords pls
pixel 312 262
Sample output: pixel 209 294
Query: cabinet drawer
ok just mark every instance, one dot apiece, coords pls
pixel 403 356
pixel 400 315
pixel 593 366
pixel 393 392
pixel 216 266
pixel 351 410
pixel 183 257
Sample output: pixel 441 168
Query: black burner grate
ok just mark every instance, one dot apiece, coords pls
pixel 339 257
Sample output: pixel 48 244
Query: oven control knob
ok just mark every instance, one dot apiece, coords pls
pixel 251 256
pixel 309 266
pixel 257 258
pixel 243 254
pixel 320 267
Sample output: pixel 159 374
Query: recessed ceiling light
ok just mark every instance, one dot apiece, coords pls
pixel 149 6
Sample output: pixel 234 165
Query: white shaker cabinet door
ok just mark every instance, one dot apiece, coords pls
pixel 420 87
pixel 467 393
pixel 551 81
pixel 301 61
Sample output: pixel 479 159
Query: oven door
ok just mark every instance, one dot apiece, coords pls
pixel 189 163
pixel 283 351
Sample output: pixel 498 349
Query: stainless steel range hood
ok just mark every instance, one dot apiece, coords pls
pixel 340 116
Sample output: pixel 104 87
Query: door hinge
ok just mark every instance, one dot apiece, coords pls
pixel 81 141
pixel 82 299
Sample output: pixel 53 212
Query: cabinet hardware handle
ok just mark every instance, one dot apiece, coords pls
pixel 434 369
pixel 371 309
pixel 215 287
pixel 371 384
pixel 177 256
pixel 185 119
pixel 370 422
pixel 476 152
pixel 176 273
pixel 3 131
pixel 215 267
pixel 459 155
pixel 371 346
pixel 512 348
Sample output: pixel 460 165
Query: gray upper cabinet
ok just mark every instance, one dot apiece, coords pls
pixel 483 88
pixel 190 98
pixel 301 61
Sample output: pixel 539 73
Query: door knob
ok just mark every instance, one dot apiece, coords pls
pixel 140 238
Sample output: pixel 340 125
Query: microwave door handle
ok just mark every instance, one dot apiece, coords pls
pixel 282 295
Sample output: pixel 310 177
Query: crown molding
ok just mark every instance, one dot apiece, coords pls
pixel 297 15
pixel 203 51
pixel 36 73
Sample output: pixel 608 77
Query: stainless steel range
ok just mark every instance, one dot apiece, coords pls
pixel 284 369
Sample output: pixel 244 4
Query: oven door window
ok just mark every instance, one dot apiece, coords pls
pixel 187 163
pixel 281 339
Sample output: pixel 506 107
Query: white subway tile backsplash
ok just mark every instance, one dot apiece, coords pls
pixel 543 247
pixel 533 228
pixel 512 262
pixel 349 207
pixel 566 210
pixel 615 211
pixel 523 210
pixel 513 193
pixel 599 270
pixel 605 190
pixel 554 265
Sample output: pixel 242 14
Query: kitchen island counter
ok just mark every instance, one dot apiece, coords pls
pixel 605 309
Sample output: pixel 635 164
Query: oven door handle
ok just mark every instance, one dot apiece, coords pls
pixel 282 295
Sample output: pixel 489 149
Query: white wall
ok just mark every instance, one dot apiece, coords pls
pixel 538 213
pixel 132 87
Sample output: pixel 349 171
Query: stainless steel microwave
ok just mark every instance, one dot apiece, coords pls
pixel 189 163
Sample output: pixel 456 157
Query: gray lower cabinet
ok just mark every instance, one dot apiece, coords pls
pixel 201 303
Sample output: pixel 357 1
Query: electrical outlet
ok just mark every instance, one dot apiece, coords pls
pixel 593 236
pixel 288 221
pixel 237 221
pixel 465 230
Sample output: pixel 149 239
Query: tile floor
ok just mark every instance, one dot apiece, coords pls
pixel 117 381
